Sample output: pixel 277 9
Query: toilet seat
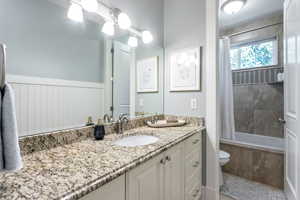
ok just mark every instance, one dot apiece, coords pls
pixel 224 155
pixel 224 158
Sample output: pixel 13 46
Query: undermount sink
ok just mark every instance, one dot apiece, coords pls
pixel 136 140
pixel 166 123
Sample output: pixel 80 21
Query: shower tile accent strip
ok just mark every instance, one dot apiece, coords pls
pixel 71 171
pixel 255 165
pixel 256 75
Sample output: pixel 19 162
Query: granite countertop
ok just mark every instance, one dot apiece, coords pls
pixel 73 170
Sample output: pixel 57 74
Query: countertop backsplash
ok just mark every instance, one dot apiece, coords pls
pixel 44 141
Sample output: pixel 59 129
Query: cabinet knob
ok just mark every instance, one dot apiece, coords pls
pixel 168 158
pixel 163 161
pixel 196 193
pixel 195 141
pixel 196 164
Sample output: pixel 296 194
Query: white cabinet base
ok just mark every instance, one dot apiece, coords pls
pixel 145 182
pixel 172 175
pixel 114 190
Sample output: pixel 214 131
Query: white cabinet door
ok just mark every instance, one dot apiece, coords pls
pixel 114 190
pixel 193 167
pixel 174 174
pixel 145 182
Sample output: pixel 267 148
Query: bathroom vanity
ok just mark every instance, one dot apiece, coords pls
pixel 70 164
pixel 171 175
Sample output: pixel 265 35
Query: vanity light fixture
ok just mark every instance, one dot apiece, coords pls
pixel 132 41
pixel 108 28
pixel 112 16
pixel 124 21
pixel 147 37
pixel 90 5
pixel 75 12
pixel 233 6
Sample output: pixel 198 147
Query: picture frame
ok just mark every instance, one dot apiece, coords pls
pixel 147 75
pixel 185 70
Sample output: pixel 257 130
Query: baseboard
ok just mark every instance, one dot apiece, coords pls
pixel 202 193
pixel 289 191
pixel 210 194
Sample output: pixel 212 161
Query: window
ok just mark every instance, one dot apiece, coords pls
pixel 254 54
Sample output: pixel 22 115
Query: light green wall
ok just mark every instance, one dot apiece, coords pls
pixel 41 41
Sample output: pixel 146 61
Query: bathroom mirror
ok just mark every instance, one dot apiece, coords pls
pixel 64 71
pixel 133 78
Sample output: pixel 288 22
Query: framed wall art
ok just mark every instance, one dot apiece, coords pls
pixel 147 75
pixel 185 71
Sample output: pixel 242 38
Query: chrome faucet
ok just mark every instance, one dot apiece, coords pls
pixel 123 119
pixel 107 118
pixel 154 119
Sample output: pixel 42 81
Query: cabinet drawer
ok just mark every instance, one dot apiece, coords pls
pixel 192 165
pixel 192 143
pixel 195 179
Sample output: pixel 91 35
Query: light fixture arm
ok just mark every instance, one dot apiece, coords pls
pixel 109 13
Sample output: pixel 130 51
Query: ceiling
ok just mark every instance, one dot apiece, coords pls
pixel 253 9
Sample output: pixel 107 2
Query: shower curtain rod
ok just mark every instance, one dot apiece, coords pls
pixel 250 30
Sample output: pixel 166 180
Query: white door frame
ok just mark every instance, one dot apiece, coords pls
pixel 291 91
pixel 132 83
pixel 108 79
pixel 212 105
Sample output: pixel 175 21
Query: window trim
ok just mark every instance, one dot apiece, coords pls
pixel 275 52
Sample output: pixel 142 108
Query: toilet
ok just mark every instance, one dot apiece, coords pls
pixel 224 158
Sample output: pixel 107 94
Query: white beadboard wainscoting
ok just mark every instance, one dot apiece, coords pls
pixel 44 104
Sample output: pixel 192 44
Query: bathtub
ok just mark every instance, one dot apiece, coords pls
pixel 257 158
pixel 259 142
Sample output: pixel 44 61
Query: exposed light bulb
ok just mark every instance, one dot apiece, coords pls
pixel 132 41
pixel 233 6
pixel 147 37
pixel 108 28
pixel 90 5
pixel 75 13
pixel 124 21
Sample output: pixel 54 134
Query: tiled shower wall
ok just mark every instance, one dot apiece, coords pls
pixel 257 108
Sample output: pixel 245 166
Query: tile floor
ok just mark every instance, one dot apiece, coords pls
pixel 237 188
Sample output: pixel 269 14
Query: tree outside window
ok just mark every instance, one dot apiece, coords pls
pixel 255 54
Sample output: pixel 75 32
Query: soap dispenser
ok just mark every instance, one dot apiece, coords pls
pixel 90 121
pixel 99 131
